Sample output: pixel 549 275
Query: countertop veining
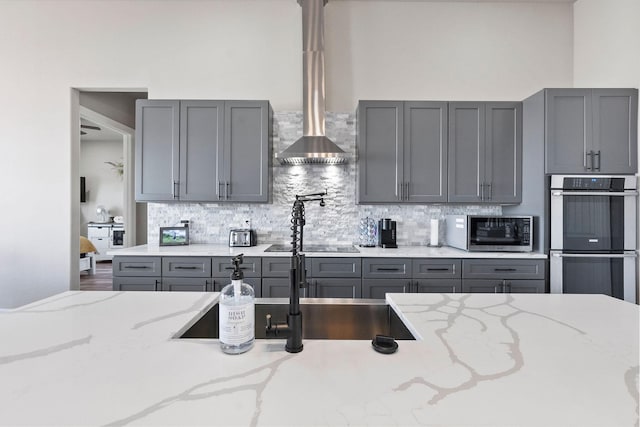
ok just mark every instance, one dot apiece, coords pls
pixel 110 358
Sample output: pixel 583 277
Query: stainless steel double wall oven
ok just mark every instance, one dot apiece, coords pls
pixel 594 235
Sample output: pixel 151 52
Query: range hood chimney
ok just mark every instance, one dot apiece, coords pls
pixel 314 146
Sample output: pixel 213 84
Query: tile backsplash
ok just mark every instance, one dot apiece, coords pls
pixel 335 223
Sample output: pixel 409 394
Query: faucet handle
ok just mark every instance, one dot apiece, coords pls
pixel 268 322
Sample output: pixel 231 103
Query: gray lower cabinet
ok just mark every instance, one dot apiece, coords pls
pixel 503 286
pixel 485 152
pixel 275 278
pixel 383 275
pixel 186 274
pixel 402 152
pixel 251 268
pixel 136 273
pixel 335 278
pixel 437 275
pixel 503 276
pixel 591 131
pixel 377 288
pixel 208 151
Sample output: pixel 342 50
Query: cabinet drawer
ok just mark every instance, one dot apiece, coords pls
pixel 503 269
pixel 137 266
pixel 186 267
pixel 381 268
pixel 437 268
pixel 335 267
pixel 136 284
pixel 279 266
pixel 222 266
pixel 97 232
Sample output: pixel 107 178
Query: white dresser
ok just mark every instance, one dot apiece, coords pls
pixel 105 236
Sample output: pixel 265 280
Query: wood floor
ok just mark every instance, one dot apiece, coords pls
pixel 101 281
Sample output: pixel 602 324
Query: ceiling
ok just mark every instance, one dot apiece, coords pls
pixel 94 135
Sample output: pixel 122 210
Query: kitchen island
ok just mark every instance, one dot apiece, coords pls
pixel 113 358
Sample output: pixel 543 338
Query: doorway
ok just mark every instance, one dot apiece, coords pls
pixel 106 117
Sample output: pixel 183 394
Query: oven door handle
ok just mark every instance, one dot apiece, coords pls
pixel 625 255
pixel 593 193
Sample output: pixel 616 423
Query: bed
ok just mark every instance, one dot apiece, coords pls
pixel 87 256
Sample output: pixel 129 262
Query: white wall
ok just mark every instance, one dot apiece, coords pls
pixel 104 186
pixel 216 49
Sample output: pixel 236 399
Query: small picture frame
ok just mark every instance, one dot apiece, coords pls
pixel 174 236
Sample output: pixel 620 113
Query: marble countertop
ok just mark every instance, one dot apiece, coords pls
pixel 110 358
pixel 259 251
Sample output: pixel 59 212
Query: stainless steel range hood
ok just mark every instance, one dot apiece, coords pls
pixel 314 146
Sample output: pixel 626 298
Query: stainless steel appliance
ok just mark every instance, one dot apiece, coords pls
pixel 387 233
pixel 593 235
pixel 242 237
pixel 476 233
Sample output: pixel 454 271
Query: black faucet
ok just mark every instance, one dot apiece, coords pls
pixel 292 329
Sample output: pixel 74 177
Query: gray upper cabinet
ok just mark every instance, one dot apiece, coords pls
pixel 247 151
pixel 201 147
pixel 402 152
pixel 485 152
pixel 591 131
pixel 208 151
pixel 156 149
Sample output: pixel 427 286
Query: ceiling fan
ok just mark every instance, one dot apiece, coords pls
pixel 87 127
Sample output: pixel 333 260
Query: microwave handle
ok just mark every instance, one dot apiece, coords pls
pixel 593 193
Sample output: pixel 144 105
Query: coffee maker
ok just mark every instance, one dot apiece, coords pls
pixel 387 233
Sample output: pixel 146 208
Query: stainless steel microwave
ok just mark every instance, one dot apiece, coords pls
pixel 477 233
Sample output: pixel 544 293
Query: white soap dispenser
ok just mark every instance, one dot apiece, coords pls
pixel 237 313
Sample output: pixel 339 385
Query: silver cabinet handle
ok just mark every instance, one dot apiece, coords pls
pixel 482 191
pixel 588 161
pixel 175 193
pixel 490 192
pixel 596 155
pixel 406 194
pixel 220 183
pixel 226 191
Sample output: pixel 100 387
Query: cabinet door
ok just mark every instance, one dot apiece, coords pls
pixel 247 151
pixel 615 131
pixel 136 283
pixel 425 152
pixel 568 136
pixel 466 151
pixel 184 284
pixel 157 150
pixel 377 288
pixel 503 286
pixel 201 139
pixel 503 173
pixel 336 288
pixel 440 286
pixel 379 151
pixel 255 282
pixel 278 287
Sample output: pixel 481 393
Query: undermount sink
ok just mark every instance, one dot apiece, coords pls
pixel 331 319
pixel 314 248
